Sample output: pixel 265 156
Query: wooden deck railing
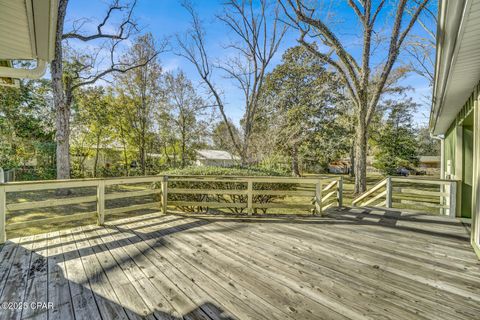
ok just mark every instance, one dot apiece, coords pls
pixel 433 195
pixel 251 195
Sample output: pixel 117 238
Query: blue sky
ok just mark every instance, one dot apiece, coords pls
pixel 165 18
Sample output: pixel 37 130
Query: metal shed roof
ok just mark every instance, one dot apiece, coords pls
pixel 216 155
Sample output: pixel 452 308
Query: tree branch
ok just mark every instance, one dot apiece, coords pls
pixel 124 28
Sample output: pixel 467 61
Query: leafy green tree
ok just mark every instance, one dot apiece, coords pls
pixel 26 124
pixel 396 144
pixel 139 94
pixel 72 69
pixel 93 115
pixel 303 99
pixel 221 139
pixel 182 111
pixel 367 73
pixel 427 146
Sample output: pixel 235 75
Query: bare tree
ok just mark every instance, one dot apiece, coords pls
pixel 258 37
pixel 192 47
pixel 85 69
pixel 422 47
pixel 365 83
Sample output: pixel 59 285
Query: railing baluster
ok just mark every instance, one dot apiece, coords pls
pixel 388 200
pixel 453 199
pixel 164 184
pixel 101 202
pixel 250 197
pixel 318 197
pixel 340 192
pixel 3 214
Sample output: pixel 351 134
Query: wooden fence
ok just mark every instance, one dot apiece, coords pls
pixel 250 194
pixel 434 195
pixel 7 175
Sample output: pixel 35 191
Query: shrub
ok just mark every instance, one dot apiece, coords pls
pixel 223 185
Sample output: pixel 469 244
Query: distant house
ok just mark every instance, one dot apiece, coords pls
pixel 431 164
pixel 339 166
pixel 216 158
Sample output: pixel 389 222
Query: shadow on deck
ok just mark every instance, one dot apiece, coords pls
pixel 359 263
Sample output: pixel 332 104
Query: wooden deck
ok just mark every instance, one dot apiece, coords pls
pixel 353 264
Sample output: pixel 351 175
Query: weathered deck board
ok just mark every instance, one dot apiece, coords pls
pixel 36 289
pixel 58 285
pixel 16 283
pixel 351 264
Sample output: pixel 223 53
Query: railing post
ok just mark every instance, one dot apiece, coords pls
pixel 388 200
pixel 340 192
pixel 164 194
pixel 318 197
pixel 2 175
pixel 250 198
pixel 3 214
pixel 101 202
pixel 452 210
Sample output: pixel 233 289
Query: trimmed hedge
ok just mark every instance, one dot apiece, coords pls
pixel 212 185
pixel 221 171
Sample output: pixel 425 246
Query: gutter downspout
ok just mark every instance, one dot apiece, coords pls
pixel 441 137
pixel 37 72
pixel 442 167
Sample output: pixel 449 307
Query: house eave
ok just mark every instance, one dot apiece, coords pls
pixel 457 70
pixel 27 32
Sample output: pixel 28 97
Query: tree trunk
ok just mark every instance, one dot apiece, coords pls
pixel 244 154
pixel 166 153
pixel 352 161
pixel 183 156
pixel 95 164
pixel 183 148
pixel 361 157
pixel 295 168
pixel 61 101
pixel 141 152
pixel 63 138
pixel 125 156
pixel 174 154
pixel 125 160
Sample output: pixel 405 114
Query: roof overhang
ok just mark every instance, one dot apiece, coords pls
pixel 8 82
pixel 27 32
pixel 457 67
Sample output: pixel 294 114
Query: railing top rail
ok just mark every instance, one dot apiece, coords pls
pixel 76 180
pixel 423 180
pixel 259 179
pixel 250 177
pixel 90 182
pixel 18 186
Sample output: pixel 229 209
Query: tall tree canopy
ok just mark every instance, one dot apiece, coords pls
pixel 139 92
pixel 182 112
pixel 26 125
pixel 72 69
pixel 302 97
pixel 366 76
pixel 395 143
